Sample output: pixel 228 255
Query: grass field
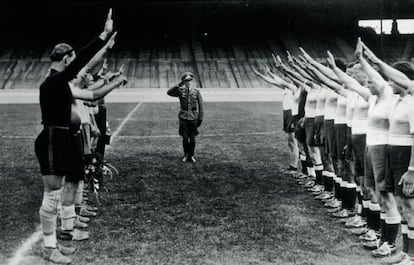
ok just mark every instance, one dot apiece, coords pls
pixel 234 206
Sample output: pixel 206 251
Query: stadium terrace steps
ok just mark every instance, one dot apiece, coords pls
pixel 221 63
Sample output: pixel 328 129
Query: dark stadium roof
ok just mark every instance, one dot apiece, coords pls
pixel 362 8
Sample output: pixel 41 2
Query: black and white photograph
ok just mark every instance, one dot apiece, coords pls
pixel 207 132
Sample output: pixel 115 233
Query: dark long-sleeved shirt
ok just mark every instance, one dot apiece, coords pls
pixel 55 95
pixel 191 102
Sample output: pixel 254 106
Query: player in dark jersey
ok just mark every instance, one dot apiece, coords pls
pixel 52 144
pixel 75 175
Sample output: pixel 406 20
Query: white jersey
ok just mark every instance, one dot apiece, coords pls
pixel 310 106
pixel 340 114
pixel 320 102
pixel 350 107
pixel 378 123
pixel 287 99
pixel 330 104
pixel 295 102
pixel 360 118
pixel 402 122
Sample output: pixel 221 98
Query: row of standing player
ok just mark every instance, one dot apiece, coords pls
pixel 352 127
pixel 70 138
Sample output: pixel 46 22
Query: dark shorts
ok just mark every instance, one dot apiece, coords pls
pixel 358 151
pixel 319 131
pixel 100 119
pixel 399 160
pixel 75 159
pixel 188 128
pixel 295 120
pixel 309 126
pixel 300 133
pixel 288 122
pixel 51 148
pixel 376 168
pixel 348 153
pixel 341 140
pixel 330 141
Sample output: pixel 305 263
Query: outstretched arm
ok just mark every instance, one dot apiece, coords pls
pixel 86 54
pixel 298 66
pixel 348 81
pixel 323 69
pixel 329 82
pixel 282 81
pixel 289 71
pixel 106 79
pixel 372 74
pixel 389 71
pixel 92 95
pixel 98 56
pixel 274 79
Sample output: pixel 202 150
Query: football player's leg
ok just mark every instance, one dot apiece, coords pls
pixel 293 151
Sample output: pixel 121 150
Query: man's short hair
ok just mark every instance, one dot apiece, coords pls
pixel 406 68
pixel 59 51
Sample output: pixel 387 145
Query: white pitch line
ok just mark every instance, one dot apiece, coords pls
pixel 25 247
pixel 153 136
pixel 126 119
pixel 203 135
pixel 16 137
pixel 36 236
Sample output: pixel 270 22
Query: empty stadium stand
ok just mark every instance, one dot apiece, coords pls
pixel 217 40
pixel 219 64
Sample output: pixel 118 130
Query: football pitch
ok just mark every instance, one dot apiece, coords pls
pixel 234 206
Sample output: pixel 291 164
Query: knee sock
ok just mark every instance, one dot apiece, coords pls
pixel 375 210
pixel 304 164
pixel 48 216
pixel 392 224
pixel 404 232
pixel 411 242
pixel 311 171
pixel 342 192
pixel 338 188
pixel 329 181
pixel 318 171
pixel 79 194
pixel 365 209
pixel 324 179
pixel 352 195
pixel 359 201
pixel 369 219
pixel 383 227
pixel 68 217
